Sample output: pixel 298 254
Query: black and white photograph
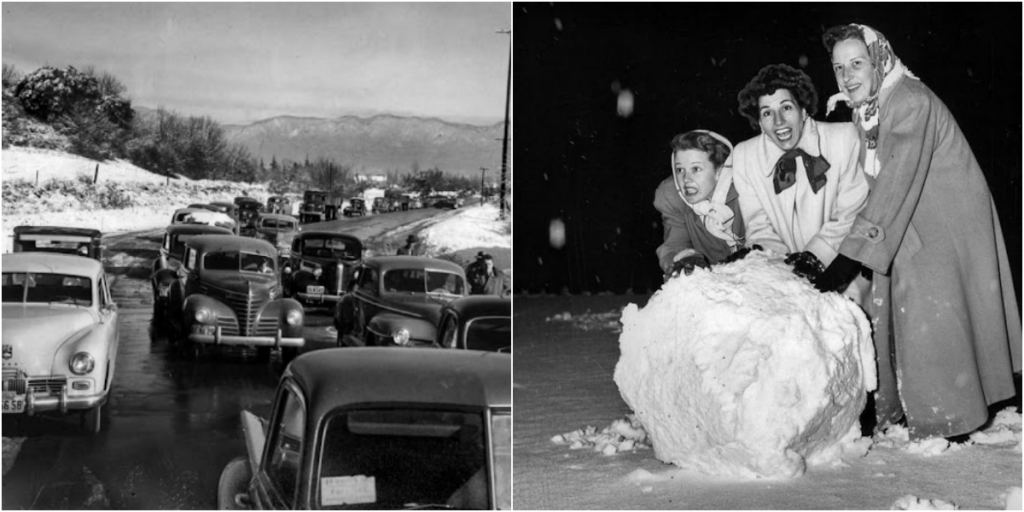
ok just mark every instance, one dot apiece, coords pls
pixel 769 256
pixel 257 255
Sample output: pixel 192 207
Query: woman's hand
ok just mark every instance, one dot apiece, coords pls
pixel 741 253
pixel 686 265
pixel 805 264
pixel 838 275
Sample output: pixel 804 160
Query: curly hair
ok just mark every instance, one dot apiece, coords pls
pixel 771 78
pixel 717 151
pixel 841 33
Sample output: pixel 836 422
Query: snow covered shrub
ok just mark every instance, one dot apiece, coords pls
pixel 111 195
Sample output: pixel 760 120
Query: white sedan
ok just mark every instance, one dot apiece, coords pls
pixel 59 335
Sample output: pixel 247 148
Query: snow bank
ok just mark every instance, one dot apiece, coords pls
pixel 475 226
pixel 911 502
pixel 20 163
pixel 747 371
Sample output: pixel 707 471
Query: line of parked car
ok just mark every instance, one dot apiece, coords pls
pixel 350 427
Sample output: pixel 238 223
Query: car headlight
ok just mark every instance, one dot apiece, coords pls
pixel 82 363
pixel 401 336
pixel 294 317
pixel 317 272
pixel 203 314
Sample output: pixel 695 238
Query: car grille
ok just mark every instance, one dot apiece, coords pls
pixel 47 386
pixel 246 308
pixel 13 381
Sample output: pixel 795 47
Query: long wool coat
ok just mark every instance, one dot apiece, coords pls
pixel 685 230
pixel 946 328
pixel 799 219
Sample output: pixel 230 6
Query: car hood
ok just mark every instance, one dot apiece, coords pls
pixel 35 332
pixel 419 305
pixel 235 281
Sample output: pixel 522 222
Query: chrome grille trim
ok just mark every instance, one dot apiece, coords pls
pixel 47 386
pixel 246 307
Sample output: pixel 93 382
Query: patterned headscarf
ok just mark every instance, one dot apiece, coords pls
pixel 887 69
pixel 713 212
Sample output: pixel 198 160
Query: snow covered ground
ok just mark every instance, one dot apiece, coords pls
pixel 565 396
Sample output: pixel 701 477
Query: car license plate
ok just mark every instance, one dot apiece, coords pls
pixel 319 290
pixel 13 403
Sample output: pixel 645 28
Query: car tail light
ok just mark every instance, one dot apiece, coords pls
pixel 82 363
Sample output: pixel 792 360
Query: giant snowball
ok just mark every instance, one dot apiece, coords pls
pixel 747 371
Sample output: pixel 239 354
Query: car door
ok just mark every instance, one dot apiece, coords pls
pixel 277 485
pixel 108 317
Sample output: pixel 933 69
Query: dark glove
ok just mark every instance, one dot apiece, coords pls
pixel 741 253
pixel 838 275
pixel 686 265
pixel 805 264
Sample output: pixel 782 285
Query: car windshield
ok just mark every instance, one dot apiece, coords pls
pixel 241 261
pixel 490 334
pixel 35 287
pixel 403 458
pixel 282 225
pixel 418 280
pixel 338 248
pixel 178 244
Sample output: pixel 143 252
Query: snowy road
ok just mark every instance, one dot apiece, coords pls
pixel 563 382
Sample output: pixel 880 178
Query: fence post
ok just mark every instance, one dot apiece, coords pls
pixel 37 178
pixel 96 176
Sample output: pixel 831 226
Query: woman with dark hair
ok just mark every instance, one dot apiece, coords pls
pixel 946 328
pixel 698 204
pixel 800 184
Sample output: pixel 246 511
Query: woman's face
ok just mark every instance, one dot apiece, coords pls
pixel 781 118
pixel 695 174
pixel 854 72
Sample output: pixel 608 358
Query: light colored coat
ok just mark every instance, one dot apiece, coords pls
pixel 798 219
pixel 946 327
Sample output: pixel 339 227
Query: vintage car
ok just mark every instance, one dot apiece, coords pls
pixel 321 266
pixel 279 204
pixel 249 210
pixel 379 429
pixel 279 230
pixel 228 293
pixel 379 205
pixel 397 300
pixel 356 206
pixel 80 241
pixel 166 265
pixel 206 216
pixel 478 322
pixel 318 206
pixel 59 335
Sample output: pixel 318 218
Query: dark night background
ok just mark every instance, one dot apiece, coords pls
pixel 579 161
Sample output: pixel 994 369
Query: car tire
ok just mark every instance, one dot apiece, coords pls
pixel 92 419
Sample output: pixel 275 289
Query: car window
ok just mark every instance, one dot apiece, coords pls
pixel 167 241
pixel 449 333
pixel 284 466
pixel 445 282
pixel 368 280
pixel 501 432
pixel 46 288
pixel 405 280
pixel 190 262
pixel 332 248
pixel 375 459
pixel 235 260
pixel 490 334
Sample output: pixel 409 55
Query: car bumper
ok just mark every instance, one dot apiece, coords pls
pixel 316 297
pixel 260 341
pixel 62 403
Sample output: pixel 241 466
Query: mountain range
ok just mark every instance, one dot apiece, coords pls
pixel 376 144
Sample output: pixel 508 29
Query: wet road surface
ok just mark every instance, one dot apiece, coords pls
pixel 170 425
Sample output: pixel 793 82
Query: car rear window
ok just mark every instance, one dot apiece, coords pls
pixel 45 288
pixel 490 334
pixel 403 458
pixel 332 248
pixel 418 280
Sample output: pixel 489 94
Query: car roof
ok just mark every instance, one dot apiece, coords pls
pixel 197 229
pixel 481 305
pixel 56 230
pixel 189 210
pixel 50 262
pixel 338 377
pixel 326 234
pixel 279 216
pixel 390 262
pixel 209 243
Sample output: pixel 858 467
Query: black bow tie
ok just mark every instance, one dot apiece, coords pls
pixel 785 170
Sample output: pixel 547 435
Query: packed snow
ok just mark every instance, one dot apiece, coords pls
pixel 475 226
pixel 747 371
pixel 622 435
pixel 609 320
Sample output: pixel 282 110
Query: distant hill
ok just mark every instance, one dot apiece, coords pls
pixel 375 144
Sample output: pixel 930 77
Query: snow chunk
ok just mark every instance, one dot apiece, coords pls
pixel 1011 498
pixel 747 370
pixel 911 502
pixel 625 434
pixel 1005 428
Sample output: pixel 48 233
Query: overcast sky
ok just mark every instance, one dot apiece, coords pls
pixel 243 62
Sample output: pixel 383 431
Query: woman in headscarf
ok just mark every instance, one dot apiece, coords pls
pixel 946 328
pixel 698 204
pixel 799 180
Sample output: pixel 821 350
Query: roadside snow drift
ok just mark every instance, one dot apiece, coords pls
pixel 747 371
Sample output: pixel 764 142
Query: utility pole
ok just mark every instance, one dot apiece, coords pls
pixel 483 191
pixel 504 144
